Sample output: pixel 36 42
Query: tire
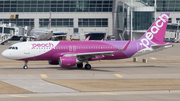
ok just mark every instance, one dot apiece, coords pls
pixel 80 65
pixel 88 66
pixel 25 67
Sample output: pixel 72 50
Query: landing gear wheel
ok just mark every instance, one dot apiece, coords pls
pixel 80 65
pixel 25 67
pixel 88 66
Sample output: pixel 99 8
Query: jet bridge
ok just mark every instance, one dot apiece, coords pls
pixel 8 31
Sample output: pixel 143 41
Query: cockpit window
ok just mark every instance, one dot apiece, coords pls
pixel 14 48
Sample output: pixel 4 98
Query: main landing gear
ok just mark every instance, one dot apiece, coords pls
pixel 87 66
pixel 80 65
pixel 25 65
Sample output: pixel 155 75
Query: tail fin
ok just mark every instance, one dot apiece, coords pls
pixel 49 24
pixel 157 30
pixel 87 38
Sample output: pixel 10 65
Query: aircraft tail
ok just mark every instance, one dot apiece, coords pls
pixel 49 24
pixel 157 30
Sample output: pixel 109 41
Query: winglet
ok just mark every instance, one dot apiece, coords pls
pixel 87 38
pixel 126 46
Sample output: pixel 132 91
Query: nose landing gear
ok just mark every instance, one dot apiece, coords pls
pixel 25 65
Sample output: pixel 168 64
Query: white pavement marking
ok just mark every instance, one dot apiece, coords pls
pixel 35 85
pixel 91 93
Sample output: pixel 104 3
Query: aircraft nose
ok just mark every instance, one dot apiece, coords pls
pixel 5 54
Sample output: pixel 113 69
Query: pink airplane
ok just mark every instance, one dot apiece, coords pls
pixel 71 53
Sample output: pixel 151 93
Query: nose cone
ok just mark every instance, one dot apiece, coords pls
pixel 5 54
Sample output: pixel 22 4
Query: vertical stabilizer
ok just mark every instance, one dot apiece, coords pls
pixel 49 24
pixel 157 30
pixel 87 38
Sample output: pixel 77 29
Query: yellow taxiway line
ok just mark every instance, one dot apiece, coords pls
pixel 43 75
pixel 153 58
pixel 18 96
pixel 118 75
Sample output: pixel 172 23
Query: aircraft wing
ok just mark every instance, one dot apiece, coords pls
pixel 94 54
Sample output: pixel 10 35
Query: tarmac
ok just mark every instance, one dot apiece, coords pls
pixel 115 80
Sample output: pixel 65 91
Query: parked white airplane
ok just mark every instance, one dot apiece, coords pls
pixel 40 33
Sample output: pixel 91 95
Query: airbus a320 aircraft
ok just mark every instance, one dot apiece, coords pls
pixel 70 53
pixel 39 34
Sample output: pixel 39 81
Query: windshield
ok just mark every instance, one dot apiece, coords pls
pixel 14 48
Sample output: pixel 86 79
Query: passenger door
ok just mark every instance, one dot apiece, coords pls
pixel 27 48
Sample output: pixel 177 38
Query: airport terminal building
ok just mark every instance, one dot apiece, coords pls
pixel 81 18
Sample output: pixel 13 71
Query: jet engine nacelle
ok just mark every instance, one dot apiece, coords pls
pixel 53 62
pixel 68 61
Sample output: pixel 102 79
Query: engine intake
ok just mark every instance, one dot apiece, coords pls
pixel 68 61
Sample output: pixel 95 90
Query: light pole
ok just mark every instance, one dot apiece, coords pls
pixel 131 17
pixel 155 10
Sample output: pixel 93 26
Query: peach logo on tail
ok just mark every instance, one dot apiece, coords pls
pixel 154 30
pixel 42 45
